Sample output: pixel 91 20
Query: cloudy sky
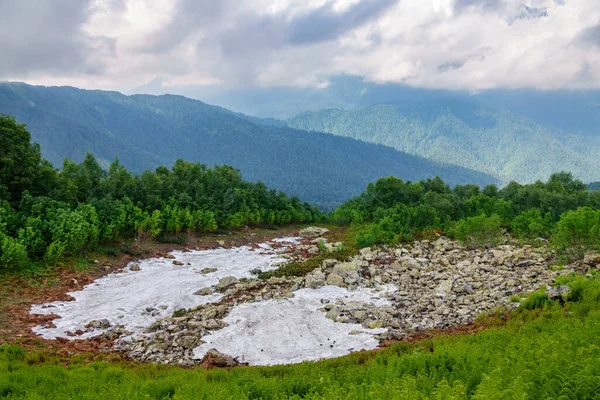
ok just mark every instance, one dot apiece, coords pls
pixel 456 44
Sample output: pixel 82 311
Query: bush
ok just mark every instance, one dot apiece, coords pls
pixel 13 255
pixel 479 231
pixel 531 224
pixel 577 232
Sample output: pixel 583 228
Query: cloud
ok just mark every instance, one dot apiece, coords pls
pixel 46 37
pixel 453 44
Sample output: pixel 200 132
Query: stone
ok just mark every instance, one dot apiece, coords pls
pixel 203 292
pixel 558 293
pixel 189 341
pixel 99 324
pixel 207 271
pixel 375 324
pixel 444 288
pixel 134 267
pixel 344 268
pixel 226 283
pixel 313 231
pixel 335 280
pixel 591 259
pixel 214 358
pixel 177 263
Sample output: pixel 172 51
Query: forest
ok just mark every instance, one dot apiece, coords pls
pixel 561 210
pixel 46 214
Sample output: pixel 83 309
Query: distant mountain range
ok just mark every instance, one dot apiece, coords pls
pixel 146 131
pixel 572 111
pixel 464 132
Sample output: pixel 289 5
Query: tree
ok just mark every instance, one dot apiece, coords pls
pixel 21 165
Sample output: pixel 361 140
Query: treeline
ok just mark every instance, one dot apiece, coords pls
pixel 561 209
pixel 46 214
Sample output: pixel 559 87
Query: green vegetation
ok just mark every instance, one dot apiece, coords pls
pixel 46 214
pixel 462 131
pixel 544 351
pixel 148 131
pixel 561 209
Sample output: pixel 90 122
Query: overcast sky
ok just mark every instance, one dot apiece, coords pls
pixel 455 44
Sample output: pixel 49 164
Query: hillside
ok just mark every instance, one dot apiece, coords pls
pixel 146 131
pixel 464 132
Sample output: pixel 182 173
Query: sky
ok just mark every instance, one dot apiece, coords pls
pixel 451 44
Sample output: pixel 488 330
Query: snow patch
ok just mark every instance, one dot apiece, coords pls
pixel 136 299
pixel 293 330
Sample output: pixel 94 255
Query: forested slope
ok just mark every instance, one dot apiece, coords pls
pixel 147 131
pixel 465 133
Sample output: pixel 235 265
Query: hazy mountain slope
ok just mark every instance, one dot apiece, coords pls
pixel 574 111
pixel 463 132
pixel 146 131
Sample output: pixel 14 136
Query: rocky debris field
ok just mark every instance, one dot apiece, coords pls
pixel 381 294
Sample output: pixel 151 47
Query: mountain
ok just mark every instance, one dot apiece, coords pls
pixel 146 131
pixel 573 111
pixel 462 131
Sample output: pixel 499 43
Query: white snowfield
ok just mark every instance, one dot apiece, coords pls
pixel 160 287
pixel 292 330
pixel 261 333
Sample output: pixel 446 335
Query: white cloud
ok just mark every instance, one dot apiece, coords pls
pixel 456 44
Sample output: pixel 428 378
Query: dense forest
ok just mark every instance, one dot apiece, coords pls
pixel 562 210
pixel 46 214
pixel 466 133
pixel 149 131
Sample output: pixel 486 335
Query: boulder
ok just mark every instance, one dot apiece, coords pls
pixel 591 259
pixel 558 293
pixel 226 283
pixel 207 271
pixel 214 358
pixel 203 292
pixel 335 280
pixel 134 267
pixel 445 287
pixel 313 231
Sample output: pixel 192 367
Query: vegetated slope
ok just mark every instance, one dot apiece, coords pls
pixel 463 132
pixel 147 131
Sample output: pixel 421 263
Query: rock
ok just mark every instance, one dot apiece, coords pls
pixel 134 267
pixel 344 268
pixel 558 293
pixel 256 271
pixel 207 271
pixel 226 283
pixel 214 358
pixel 203 292
pixel 335 280
pixel 313 231
pixel 221 243
pixel 375 324
pixel 315 280
pixel 592 259
pixel 189 341
pixel 444 288
pixel 177 263
pixel 99 324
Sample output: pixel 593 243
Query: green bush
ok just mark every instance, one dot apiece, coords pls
pixel 479 231
pixel 532 224
pixel 578 231
pixel 13 254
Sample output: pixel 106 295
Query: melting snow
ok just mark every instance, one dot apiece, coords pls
pixel 136 299
pixel 292 330
pixel 261 333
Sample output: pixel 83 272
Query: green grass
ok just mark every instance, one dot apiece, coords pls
pixel 545 351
